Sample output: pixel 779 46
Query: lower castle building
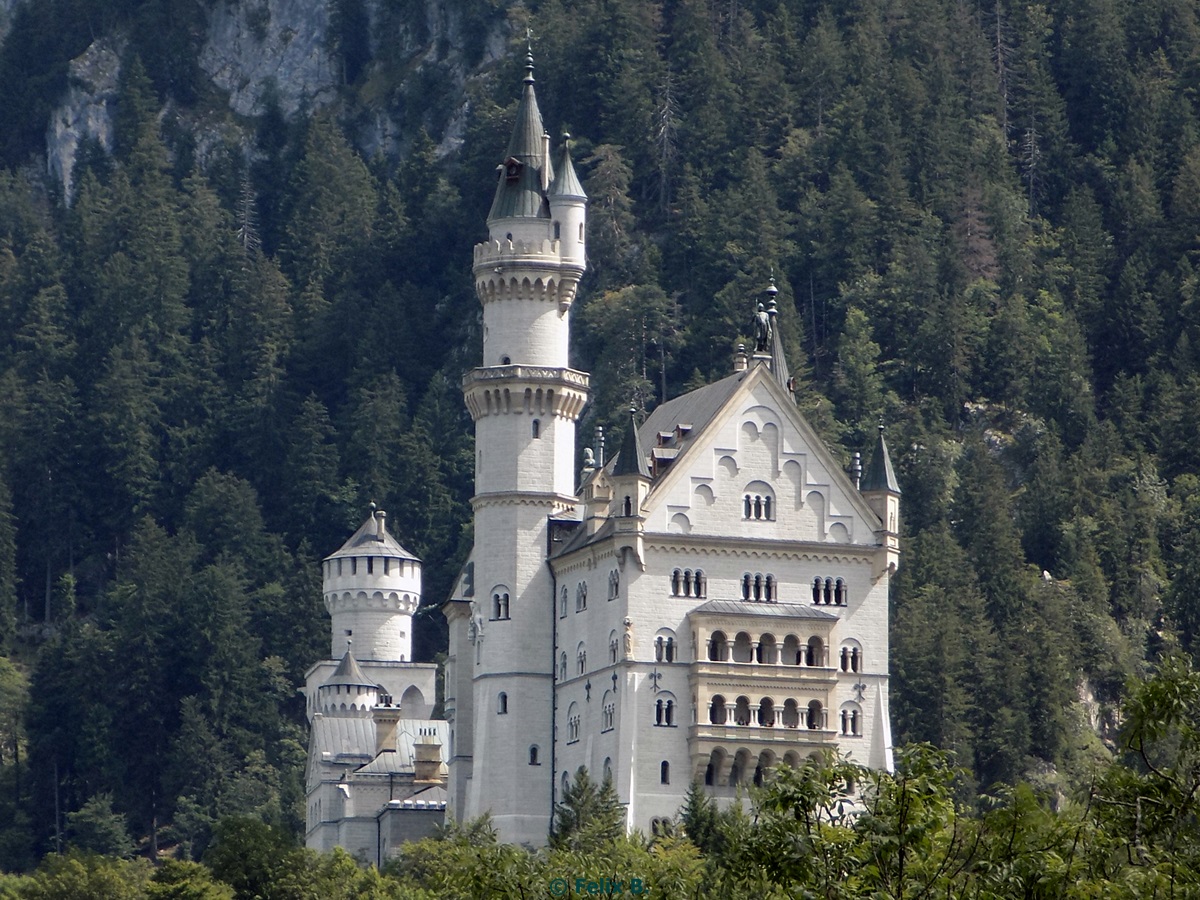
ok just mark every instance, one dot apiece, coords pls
pixel 376 759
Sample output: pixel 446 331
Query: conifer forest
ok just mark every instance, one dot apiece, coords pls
pixel 228 332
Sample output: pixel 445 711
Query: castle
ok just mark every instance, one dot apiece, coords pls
pixel 708 603
pixel 711 601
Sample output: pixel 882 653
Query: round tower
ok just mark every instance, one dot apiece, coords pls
pixel 372 587
pixel 525 400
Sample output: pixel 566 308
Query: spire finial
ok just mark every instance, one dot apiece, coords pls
pixel 528 55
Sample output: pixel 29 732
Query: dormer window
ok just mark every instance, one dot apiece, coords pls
pixel 512 169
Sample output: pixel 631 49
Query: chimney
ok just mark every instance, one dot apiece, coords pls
pixel 380 525
pixel 741 362
pixel 427 762
pixel 856 470
pixel 386 717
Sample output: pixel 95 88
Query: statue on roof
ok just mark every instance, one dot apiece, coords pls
pixel 762 330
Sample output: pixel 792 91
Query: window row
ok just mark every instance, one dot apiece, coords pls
pixel 745 766
pixel 756 506
pixel 829 592
pixel 760 587
pixel 766 650
pixel 686 583
pixel 766 714
pixel 388 564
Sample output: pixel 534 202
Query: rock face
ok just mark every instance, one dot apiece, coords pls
pixel 278 46
pixel 86 109
pixel 280 51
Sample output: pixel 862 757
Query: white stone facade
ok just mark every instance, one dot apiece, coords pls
pixel 702 613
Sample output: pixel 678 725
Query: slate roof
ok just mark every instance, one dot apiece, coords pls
pixel 365 542
pixel 769 610
pixel 400 760
pixel 631 460
pixel 566 182
pixel 522 195
pixel 348 672
pixel 880 476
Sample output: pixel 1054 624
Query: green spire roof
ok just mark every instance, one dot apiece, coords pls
pixel 880 476
pixel 519 177
pixel 348 672
pixel 566 182
pixel 632 459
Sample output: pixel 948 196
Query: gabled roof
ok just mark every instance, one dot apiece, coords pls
pixel 519 177
pixel 373 539
pixel 880 476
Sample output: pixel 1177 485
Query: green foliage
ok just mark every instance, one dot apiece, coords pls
pixel 95 828
pixel 588 815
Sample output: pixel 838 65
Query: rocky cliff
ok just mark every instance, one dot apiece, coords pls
pixel 285 54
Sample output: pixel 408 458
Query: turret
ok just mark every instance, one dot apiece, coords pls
pixel 372 587
pixel 630 474
pixel 881 490
pixel 568 209
pixel 347 692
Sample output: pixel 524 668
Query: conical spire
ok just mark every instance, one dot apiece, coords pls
pixel 349 672
pixel 566 182
pixel 519 177
pixel 631 460
pixel 779 366
pixel 880 476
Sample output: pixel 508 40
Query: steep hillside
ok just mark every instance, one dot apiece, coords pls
pixel 235 306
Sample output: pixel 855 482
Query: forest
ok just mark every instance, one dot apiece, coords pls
pixel 983 218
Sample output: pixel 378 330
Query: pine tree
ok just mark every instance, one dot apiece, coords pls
pixel 588 816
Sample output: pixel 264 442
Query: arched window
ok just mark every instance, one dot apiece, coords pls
pixel 658 712
pixel 581 596
pixel 718 647
pixel 769 589
pixel 767 508
pixel 612 647
pixel 687 582
pixel 746 582
pixel 502 704
pixel 500 605
pixel 758 586
pixel 676 583
pixel 816 590
pixel 614 584
pixel 580 660
pixel 562 666
pixel 839 593
pixel 581 232
pixel 747 507
pixel 816 716
pixel 717 713
pixel 699 584
pixel 628 506
pixel 829 592
pixel 557 229
pixel 816 651
pixel 659 648
pixel 562 604
pixel 536 428
pixel 664 773
pixel 670 650
pixel 533 756
pixel 855 659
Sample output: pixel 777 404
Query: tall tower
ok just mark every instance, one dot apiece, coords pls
pixel 525 400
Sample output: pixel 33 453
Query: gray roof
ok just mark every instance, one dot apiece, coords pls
pixel 773 610
pixel 401 759
pixel 566 182
pixel 521 195
pixel 366 542
pixel 348 672
pixel 695 408
pixel 880 476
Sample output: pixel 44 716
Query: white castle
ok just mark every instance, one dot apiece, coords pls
pixel 708 603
